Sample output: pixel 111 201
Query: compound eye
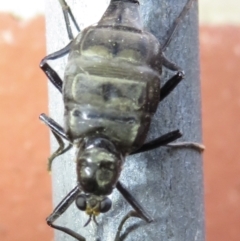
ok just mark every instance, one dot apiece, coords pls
pixel 81 202
pixel 105 205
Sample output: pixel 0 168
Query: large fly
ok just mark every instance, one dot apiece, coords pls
pixel 111 90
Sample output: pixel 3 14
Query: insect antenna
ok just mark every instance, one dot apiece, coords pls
pixel 89 220
pixel 94 219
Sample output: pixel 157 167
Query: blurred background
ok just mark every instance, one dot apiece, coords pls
pixel 25 186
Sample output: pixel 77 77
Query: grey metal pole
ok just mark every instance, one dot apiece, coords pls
pixel 167 181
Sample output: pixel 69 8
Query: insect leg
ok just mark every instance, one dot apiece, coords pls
pixel 160 141
pixel 58 133
pixel 54 126
pixel 170 65
pixel 138 211
pixel 130 214
pixel 133 202
pixel 194 145
pixel 60 209
pixel 66 13
pixel 61 150
pixel 166 89
pixel 176 23
pixel 170 85
pixel 51 74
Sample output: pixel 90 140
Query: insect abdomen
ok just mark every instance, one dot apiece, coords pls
pixel 110 90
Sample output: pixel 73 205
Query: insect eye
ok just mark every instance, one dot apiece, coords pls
pixel 81 202
pixel 105 205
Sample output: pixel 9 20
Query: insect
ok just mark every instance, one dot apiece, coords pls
pixel 111 90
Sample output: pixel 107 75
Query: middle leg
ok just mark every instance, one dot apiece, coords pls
pixel 58 133
pixel 170 85
pixel 165 140
pixel 160 141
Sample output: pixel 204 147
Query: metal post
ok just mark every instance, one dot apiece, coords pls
pixel 167 181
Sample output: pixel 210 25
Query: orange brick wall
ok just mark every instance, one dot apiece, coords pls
pixel 25 186
pixel 220 63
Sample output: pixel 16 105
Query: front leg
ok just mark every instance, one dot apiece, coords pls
pixel 130 214
pixel 60 209
pixel 137 212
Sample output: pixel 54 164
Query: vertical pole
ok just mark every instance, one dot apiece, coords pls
pixel 172 178
pixel 167 181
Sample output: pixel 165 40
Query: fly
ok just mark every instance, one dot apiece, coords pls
pixel 111 90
